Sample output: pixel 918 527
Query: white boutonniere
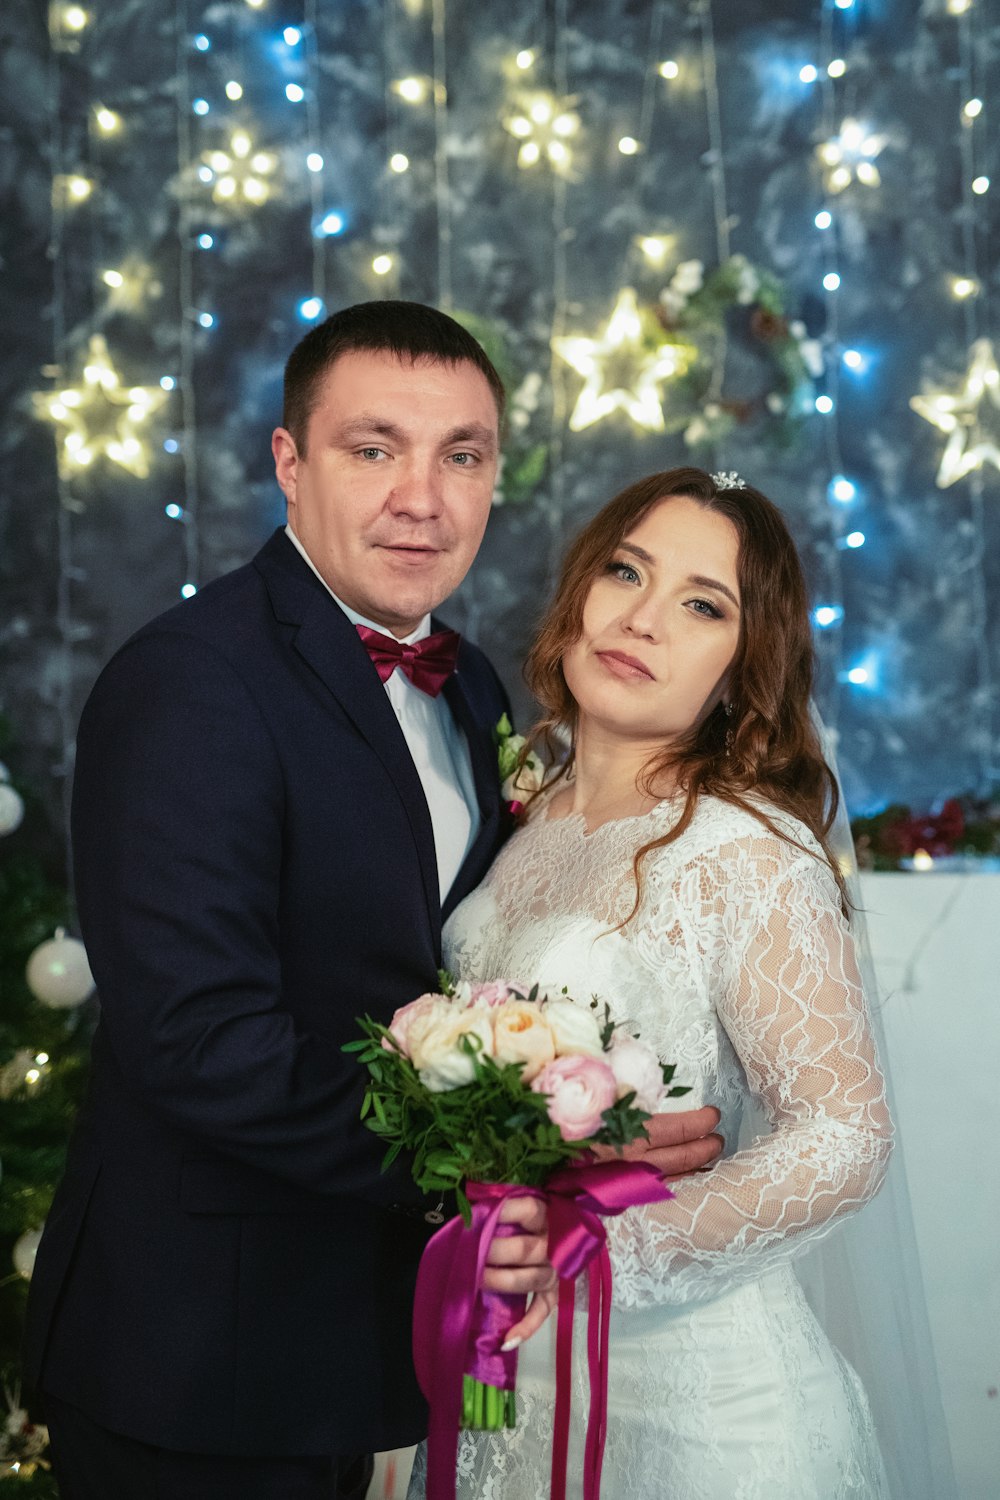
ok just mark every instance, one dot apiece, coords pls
pixel 520 775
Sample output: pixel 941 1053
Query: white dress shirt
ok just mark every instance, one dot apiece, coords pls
pixel 438 746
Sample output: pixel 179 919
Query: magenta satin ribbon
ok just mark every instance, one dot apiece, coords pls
pixel 457 1329
pixel 427 663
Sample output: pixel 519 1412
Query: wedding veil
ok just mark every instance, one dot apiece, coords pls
pixel 864 1282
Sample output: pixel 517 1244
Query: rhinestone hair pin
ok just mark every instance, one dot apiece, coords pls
pixel 728 479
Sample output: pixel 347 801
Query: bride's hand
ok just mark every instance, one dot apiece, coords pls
pixel 679 1143
pixel 519 1262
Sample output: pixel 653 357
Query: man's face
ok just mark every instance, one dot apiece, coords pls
pixel 392 497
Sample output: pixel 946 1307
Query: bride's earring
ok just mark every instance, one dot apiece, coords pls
pixel 727 709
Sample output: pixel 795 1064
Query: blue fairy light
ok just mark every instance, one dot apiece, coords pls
pixel 831 281
pixel 170 445
pixel 167 382
pixel 174 511
pixel 824 405
pixel 200 106
pixel 206 320
pixel 310 308
pixel 823 219
pixel 188 589
pixel 331 223
pixel 842 489
pixel 855 539
pixel 206 241
pixel 808 74
pixel 825 616
pixel 292 36
pixel 202 42
pixel 295 92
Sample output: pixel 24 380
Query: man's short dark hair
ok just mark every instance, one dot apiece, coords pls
pixel 408 330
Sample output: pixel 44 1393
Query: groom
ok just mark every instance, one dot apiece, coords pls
pixel 280 791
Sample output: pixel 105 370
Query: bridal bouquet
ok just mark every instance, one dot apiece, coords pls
pixel 497 1088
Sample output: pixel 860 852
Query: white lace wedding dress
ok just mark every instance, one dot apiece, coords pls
pixel 739 968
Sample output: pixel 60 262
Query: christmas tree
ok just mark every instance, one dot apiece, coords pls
pixel 44 1043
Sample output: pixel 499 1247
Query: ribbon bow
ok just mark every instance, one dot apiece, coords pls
pixel 427 663
pixel 457 1329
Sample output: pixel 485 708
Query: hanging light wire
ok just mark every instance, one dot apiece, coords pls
pixel 186 309
pixel 442 191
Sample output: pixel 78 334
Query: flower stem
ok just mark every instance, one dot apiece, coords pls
pixel 486 1407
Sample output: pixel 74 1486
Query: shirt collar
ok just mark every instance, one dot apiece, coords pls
pixel 422 630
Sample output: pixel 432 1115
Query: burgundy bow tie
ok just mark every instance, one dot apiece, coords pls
pixel 427 663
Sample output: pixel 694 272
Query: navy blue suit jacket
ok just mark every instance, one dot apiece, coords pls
pixel 225 1269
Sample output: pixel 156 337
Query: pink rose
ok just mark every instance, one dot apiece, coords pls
pixel 637 1070
pixel 497 991
pixel 580 1089
pixel 405 1017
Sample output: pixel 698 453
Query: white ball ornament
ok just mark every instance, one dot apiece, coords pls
pixel 58 973
pixel 11 808
pixel 25 1250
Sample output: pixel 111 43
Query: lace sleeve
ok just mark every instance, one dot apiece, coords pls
pixel 790 999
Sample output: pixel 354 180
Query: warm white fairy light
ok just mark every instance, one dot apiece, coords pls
pixel 628 145
pixel 399 162
pixel 525 59
pixel 963 286
pixel 980 185
pixel 621 371
pixel 74 18
pixel 849 156
pixel 382 265
pixel 113 279
pixel 543 123
pixel 668 68
pixel 836 67
pixel 656 247
pixel 101 418
pixel 108 121
pixel 963 417
pixel 958 7
pixel 972 109
pixel 412 90
pixel 234 90
pixel 239 175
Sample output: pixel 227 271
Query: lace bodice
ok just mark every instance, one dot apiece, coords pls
pixel 740 968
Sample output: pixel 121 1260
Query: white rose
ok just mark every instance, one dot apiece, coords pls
pixel 637 1070
pixel 435 1045
pixel 574 1028
pixel 523 782
pixel 521 1034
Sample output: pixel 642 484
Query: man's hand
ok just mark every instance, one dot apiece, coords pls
pixel 520 1263
pixel 678 1143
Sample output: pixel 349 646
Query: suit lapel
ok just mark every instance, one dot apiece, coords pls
pixel 327 641
pixel 486 776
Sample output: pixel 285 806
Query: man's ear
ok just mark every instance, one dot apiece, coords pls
pixel 286 461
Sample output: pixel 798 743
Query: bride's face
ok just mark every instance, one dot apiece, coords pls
pixel 660 626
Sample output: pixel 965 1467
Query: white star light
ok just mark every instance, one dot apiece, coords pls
pixel 962 416
pixel 621 372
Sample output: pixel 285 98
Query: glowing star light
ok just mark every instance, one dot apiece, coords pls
pixel 101 418
pixel 544 125
pixel 621 370
pixel 850 157
pixel 239 175
pixel 965 417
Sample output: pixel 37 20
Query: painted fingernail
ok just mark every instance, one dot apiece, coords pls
pixel 511 1344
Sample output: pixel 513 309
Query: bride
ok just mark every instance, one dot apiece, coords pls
pixel 678 866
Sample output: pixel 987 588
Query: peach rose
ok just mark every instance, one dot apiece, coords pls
pixel 404 1018
pixel 436 1048
pixel 522 1035
pixel 580 1089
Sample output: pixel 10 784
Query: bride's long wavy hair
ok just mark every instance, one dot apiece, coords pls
pixel 767 746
